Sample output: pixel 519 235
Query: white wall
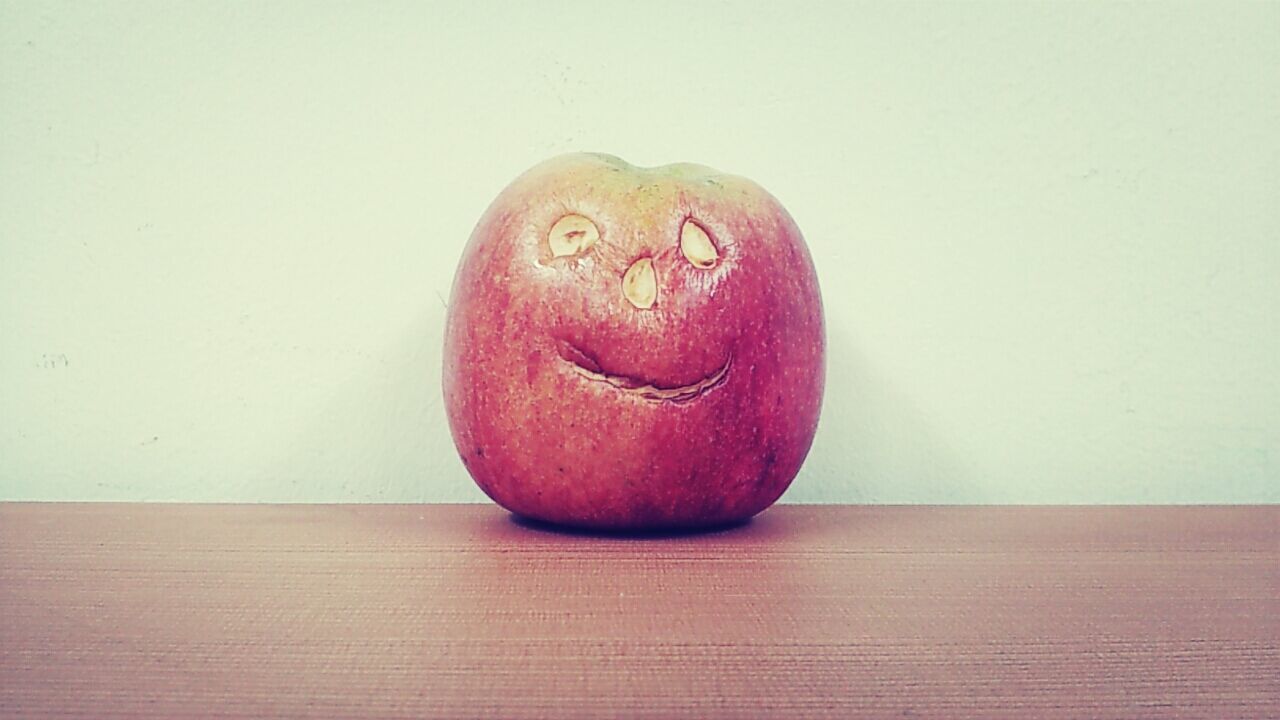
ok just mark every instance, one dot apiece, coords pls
pixel 1048 234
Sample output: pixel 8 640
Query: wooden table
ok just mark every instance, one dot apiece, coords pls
pixel 457 610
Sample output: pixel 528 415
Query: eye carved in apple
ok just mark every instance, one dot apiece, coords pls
pixel 696 245
pixel 634 347
pixel 572 235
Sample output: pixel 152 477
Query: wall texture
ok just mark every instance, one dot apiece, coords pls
pixel 1048 234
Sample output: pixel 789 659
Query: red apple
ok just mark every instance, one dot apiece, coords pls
pixel 634 348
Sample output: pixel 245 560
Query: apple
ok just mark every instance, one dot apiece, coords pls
pixel 634 348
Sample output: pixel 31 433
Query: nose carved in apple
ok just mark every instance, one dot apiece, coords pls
pixel 640 284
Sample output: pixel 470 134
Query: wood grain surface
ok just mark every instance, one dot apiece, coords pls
pixel 458 611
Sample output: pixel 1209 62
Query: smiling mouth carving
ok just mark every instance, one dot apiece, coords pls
pixel 587 367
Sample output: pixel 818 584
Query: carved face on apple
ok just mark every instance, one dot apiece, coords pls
pixel 632 348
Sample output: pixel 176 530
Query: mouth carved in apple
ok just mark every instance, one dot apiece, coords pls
pixel 585 365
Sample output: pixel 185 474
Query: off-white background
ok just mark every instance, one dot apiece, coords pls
pixel 1048 235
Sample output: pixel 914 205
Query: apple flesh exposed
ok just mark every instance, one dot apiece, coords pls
pixel 634 348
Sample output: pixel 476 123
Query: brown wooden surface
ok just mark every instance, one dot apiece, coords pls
pixel 454 611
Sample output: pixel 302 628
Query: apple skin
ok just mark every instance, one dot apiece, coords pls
pixel 553 378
